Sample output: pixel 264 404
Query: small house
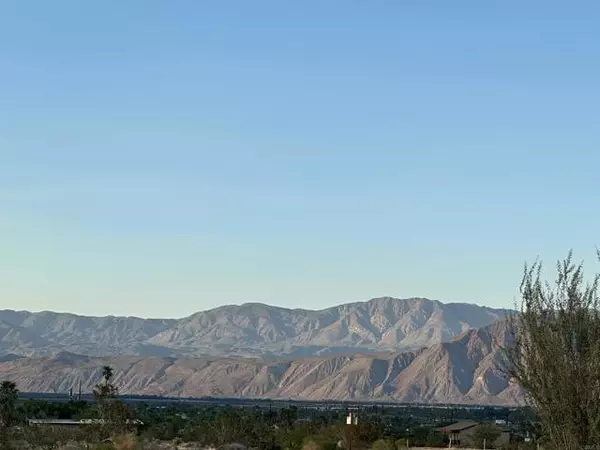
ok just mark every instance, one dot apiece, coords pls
pixel 463 433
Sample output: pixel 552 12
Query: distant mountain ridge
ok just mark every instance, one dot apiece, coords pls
pixel 466 370
pixel 251 329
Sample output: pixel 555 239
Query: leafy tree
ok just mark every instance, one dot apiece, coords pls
pixel 368 431
pixel 419 436
pixel 485 433
pixel 9 394
pixel 114 414
pixel 327 437
pixel 435 439
pixel 288 416
pixel 555 356
pixel 106 389
pixel 107 374
pixel 229 426
pixel 293 439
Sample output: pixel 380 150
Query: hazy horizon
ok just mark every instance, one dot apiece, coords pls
pixel 160 159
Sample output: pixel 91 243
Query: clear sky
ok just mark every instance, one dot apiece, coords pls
pixel 163 157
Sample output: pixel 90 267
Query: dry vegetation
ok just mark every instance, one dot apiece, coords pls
pixel 556 354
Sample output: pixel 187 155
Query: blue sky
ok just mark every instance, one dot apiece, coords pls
pixel 159 158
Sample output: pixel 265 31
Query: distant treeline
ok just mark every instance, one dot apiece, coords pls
pixel 274 402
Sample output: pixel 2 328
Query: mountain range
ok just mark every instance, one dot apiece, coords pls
pixel 466 370
pixel 410 350
pixel 381 324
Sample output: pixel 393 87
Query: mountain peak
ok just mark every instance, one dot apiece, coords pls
pixel 250 329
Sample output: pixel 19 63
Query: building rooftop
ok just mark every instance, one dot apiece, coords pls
pixel 458 426
pixel 74 422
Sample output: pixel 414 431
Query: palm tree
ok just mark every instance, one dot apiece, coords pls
pixel 9 395
pixel 107 373
pixel 106 389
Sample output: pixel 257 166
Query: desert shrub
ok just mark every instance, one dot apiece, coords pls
pixel 126 442
pixel 293 439
pixel 318 443
pixel 555 356
pixel 401 444
pixel 383 444
pixel 50 437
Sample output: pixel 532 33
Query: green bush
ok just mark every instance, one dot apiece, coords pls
pixel 318 443
pixel 436 439
pixel 401 444
pixel 486 432
pixel 383 444
pixel 292 439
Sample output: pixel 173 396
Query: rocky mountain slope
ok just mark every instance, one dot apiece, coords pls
pixel 466 370
pixel 250 329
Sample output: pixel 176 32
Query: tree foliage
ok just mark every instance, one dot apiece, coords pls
pixel 9 394
pixel 107 373
pixel 49 437
pixel 106 389
pixel 486 433
pixel 555 356
pixel 115 415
